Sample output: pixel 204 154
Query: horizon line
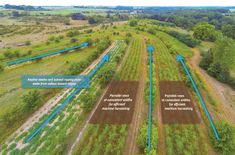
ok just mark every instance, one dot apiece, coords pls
pixel 117 5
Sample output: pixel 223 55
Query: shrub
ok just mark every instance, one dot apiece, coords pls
pixel 206 60
pixel 72 33
pixel 142 139
pixel 1 68
pixel 225 146
pixel 133 23
pixel 32 99
pixel 73 40
pixel 185 38
pixel 205 31
pixel 106 76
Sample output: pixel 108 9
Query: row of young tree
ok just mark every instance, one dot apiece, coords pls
pixel 77 68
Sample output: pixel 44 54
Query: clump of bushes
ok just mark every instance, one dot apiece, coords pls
pixel 225 146
pixel 218 60
pixel 77 68
pixel 133 23
pixel 142 139
pixel 185 38
pixel 72 33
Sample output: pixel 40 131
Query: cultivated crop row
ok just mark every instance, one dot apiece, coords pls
pixel 131 67
pixel 55 136
pixel 110 139
pixel 180 139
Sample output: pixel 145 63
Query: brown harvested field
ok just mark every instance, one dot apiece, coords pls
pixel 117 105
pixel 176 103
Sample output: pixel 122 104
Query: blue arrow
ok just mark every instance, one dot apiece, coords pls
pixel 15 62
pixel 150 49
pixel 103 60
pixel 181 60
pixel 79 87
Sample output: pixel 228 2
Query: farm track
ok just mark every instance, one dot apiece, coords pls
pixel 82 130
pixel 161 134
pixel 51 103
pixel 131 147
pixel 224 95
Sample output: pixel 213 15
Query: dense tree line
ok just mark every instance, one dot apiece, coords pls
pixel 19 7
pixel 188 18
pixel 220 59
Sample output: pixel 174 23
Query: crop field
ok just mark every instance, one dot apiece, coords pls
pixel 116 133
pixel 167 64
pixel 125 45
pixel 11 94
pixel 57 42
pixel 177 136
pixel 185 139
pixel 103 139
pixel 130 69
pixel 72 116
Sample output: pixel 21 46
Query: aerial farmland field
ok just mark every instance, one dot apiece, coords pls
pixel 80 79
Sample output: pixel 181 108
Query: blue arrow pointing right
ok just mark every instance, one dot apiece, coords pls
pixel 181 60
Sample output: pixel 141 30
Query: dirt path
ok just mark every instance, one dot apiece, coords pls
pixel 131 147
pixel 51 103
pixel 158 116
pixel 84 126
pixel 221 92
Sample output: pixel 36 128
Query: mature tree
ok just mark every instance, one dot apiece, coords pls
pixel 224 51
pixel 205 31
pixel 87 100
pixel 229 30
pixel 133 23
pixel 106 75
pixel 32 99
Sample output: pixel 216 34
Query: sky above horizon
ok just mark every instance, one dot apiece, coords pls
pixel 121 2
